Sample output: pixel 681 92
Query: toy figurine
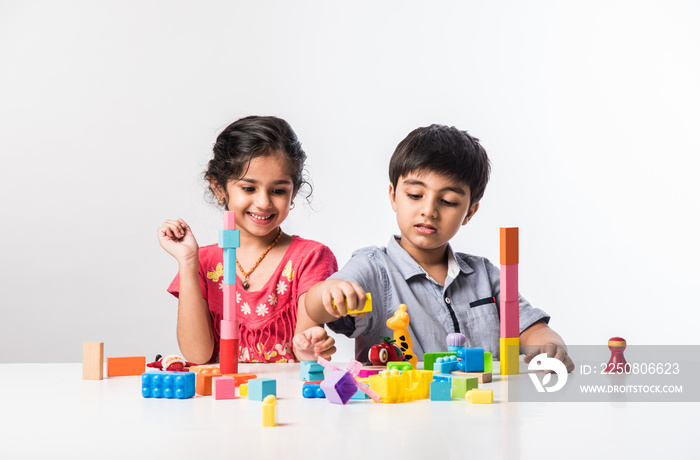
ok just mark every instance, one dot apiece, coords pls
pixel 617 363
pixel 385 352
pixel 171 363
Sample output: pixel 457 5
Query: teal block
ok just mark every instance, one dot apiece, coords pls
pixel 229 239
pixel 440 390
pixel 261 387
pixel 360 395
pixel 230 266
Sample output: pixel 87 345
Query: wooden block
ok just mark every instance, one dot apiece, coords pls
pixel 510 319
pixel 230 266
pixel 483 377
pixel 93 360
pixel 223 387
pixel 229 220
pixel 229 239
pixel 509 246
pixel 509 283
pixel 125 365
pixel 229 305
pixel 510 355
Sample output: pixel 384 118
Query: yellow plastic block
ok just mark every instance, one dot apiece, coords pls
pixel 510 352
pixel 406 386
pixel 477 396
pixel 269 411
pixel 243 389
pixel 367 308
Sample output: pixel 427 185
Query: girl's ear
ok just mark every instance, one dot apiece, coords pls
pixel 218 190
pixel 392 196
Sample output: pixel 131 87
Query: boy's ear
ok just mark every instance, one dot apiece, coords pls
pixel 392 196
pixel 470 214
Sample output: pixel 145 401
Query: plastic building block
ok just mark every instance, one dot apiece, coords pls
pixel 478 396
pixel 361 394
pixel 365 309
pixel 488 362
pixel 430 358
pixel 446 364
pixel 455 340
pixel 460 386
pixel 310 371
pixel 510 355
pixel 399 324
pixel 240 379
pixel 230 261
pixel 204 374
pixel 482 377
pixel 354 367
pixel 229 239
pixel 312 390
pixel 366 371
pixel 127 365
pixel 243 390
pixel 395 387
pixel 472 359
pixel 510 319
pixel 269 411
pixel 167 384
pixel 259 388
pixel 509 246
pixel 440 390
pixel 223 387
pixel 93 360
pixel 400 365
pixel 509 283
pixel 339 387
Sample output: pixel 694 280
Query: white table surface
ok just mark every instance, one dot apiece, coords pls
pixel 48 411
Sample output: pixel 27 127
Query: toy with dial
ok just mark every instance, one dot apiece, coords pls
pixel 382 353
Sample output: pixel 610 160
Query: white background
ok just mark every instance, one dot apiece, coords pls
pixel 108 110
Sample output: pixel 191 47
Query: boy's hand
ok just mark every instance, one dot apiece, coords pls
pixel 312 343
pixel 176 237
pixel 347 295
pixel 553 350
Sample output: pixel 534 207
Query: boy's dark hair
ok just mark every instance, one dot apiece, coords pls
pixel 253 137
pixel 444 150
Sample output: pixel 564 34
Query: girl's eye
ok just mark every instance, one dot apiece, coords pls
pixel 248 189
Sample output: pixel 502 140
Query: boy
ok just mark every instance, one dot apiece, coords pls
pixel 438 175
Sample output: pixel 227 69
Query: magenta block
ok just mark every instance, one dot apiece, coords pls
pixel 509 283
pixel 510 319
pixel 224 387
pixel 339 387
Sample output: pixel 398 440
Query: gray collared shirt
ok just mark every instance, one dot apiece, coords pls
pixel 467 303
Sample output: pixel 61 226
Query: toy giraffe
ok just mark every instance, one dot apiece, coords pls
pixel 399 324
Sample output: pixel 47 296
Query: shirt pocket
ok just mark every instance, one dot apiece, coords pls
pixel 484 325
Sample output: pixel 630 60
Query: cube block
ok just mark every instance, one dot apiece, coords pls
pixel 259 388
pixel 223 387
pixel 229 239
pixel 440 390
pixel 510 356
pixel 509 283
pixel 509 246
pixel 510 319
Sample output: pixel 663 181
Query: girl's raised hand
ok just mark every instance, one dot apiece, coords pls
pixel 176 237
pixel 312 343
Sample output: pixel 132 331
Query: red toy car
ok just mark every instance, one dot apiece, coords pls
pixel 384 352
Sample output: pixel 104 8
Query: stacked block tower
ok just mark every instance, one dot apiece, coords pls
pixel 229 240
pixel 510 305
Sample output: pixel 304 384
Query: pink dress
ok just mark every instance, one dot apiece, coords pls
pixel 267 317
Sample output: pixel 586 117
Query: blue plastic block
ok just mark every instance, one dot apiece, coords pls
pixel 230 266
pixel 440 390
pixel 229 239
pixel 360 395
pixel 442 377
pixel 472 359
pixel 169 385
pixel 261 387
pixel 446 364
pixel 312 390
pixel 310 371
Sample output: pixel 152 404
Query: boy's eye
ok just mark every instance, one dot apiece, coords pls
pixel 449 203
pixel 413 196
pixel 279 191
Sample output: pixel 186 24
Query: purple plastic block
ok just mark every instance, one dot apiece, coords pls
pixel 339 387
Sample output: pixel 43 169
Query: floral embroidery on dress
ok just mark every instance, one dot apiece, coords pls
pixel 238 297
pixel 281 288
pixel 245 308
pixel 261 310
pixel 272 298
pixel 217 273
pixel 288 272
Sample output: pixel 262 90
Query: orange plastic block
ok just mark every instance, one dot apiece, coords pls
pixel 241 378
pixel 126 365
pixel 204 375
pixel 509 246
pixel 93 360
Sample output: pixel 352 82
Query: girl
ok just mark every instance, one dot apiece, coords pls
pixel 256 172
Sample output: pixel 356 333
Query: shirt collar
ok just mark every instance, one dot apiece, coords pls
pixel 408 267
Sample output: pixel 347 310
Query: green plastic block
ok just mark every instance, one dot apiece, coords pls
pixel 488 362
pixel 460 386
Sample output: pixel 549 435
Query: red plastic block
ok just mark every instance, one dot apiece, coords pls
pixel 509 283
pixel 128 365
pixel 510 319
pixel 509 246
pixel 224 387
